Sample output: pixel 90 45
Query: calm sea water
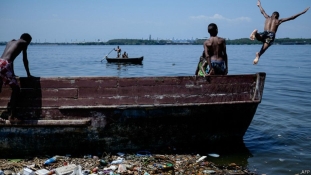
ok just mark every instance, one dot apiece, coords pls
pixel 278 139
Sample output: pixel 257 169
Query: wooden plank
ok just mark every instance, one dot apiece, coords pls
pixel 82 122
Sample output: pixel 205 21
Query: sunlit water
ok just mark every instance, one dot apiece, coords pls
pixel 278 139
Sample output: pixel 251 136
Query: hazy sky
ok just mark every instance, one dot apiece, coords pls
pixel 90 20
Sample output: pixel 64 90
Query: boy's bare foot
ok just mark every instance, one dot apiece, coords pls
pixel 256 59
pixel 13 118
pixel 2 120
pixel 252 36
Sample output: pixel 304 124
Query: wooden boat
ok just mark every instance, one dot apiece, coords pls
pixel 137 60
pixel 94 114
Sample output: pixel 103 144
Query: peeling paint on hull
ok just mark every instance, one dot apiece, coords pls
pixel 76 114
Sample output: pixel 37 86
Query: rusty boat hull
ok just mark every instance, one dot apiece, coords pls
pixel 106 114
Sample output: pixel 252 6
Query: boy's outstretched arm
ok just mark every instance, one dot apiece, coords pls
pixel 225 56
pixel 261 9
pixel 203 66
pixel 208 58
pixel 294 16
pixel 197 70
pixel 26 64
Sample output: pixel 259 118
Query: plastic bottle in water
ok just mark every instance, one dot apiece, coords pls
pixel 52 160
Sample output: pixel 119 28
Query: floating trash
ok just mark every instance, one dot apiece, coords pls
pixel 214 155
pixel 143 153
pixel 120 154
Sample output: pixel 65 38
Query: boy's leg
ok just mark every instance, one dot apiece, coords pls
pixel 1 83
pixel 260 37
pixel 264 47
pixel 252 36
pixel 13 101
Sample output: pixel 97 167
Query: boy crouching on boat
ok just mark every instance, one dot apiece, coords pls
pixel 12 50
pixel 202 66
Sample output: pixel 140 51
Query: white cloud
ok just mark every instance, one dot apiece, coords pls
pixel 220 17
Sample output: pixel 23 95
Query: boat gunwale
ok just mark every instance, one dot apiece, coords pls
pixel 139 106
pixel 142 77
pixel 125 60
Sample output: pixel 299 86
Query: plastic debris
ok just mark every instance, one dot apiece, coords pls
pixel 120 154
pixel 53 159
pixel 103 162
pixel 28 171
pixel 77 171
pixel 94 170
pixel 132 164
pixel 65 169
pixel 201 158
pixel 87 156
pixel 214 155
pixel 112 167
pixel 121 168
pixel 143 153
pixel 209 171
pixel 118 161
pixel 42 172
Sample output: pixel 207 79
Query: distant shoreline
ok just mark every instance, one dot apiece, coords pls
pixel 242 41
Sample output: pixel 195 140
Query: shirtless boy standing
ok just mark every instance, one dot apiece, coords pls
pixel 215 52
pixel 271 26
pixel 7 76
pixel 118 50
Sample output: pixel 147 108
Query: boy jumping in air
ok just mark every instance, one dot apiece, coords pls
pixel 271 26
